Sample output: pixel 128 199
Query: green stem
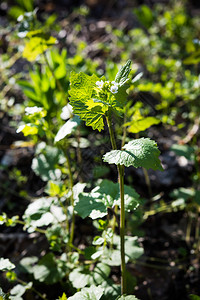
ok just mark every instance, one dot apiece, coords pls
pixel 124 129
pixel 112 136
pixel 72 201
pixel 122 229
pixel 122 210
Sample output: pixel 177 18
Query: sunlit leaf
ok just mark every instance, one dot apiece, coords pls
pixel 28 129
pixel 123 73
pixel 49 269
pixel 129 297
pixel 38 43
pixel 66 129
pixel 81 277
pixel 91 293
pixel 6 265
pixel 136 126
pixel 95 203
pixel 81 90
pixel 138 153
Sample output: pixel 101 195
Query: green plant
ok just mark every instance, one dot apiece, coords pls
pixel 92 99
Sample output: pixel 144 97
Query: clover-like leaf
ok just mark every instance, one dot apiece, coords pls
pixel 138 153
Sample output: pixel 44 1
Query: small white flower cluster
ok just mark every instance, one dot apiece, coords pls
pixel 32 110
pixel 100 84
pixel 113 88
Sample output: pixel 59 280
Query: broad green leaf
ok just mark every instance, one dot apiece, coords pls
pixel 138 153
pixel 95 203
pixel 45 164
pixel 17 291
pixel 65 130
pixel 129 297
pixel 28 129
pixel 91 293
pixel 49 269
pixel 194 297
pixel 132 251
pixel 136 126
pixel 81 91
pixel 43 212
pixel 6 265
pixel 38 43
pixel 27 263
pixel 123 73
pixel 81 277
pixel 111 290
pixel 112 257
pixel 184 150
pixel 90 206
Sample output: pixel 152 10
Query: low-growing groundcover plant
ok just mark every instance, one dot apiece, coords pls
pixel 98 102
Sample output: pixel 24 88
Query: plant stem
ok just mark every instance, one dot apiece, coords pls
pixel 112 137
pixel 124 128
pixel 72 200
pixel 122 210
pixel 122 229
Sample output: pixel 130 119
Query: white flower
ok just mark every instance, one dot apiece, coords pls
pixel 114 88
pixel 100 84
pixel 32 110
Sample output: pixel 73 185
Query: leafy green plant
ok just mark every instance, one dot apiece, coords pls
pixel 92 100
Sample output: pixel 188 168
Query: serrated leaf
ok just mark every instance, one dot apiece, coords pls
pixel 123 73
pixel 81 90
pixel 138 153
pixel 6 265
pixel 91 293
